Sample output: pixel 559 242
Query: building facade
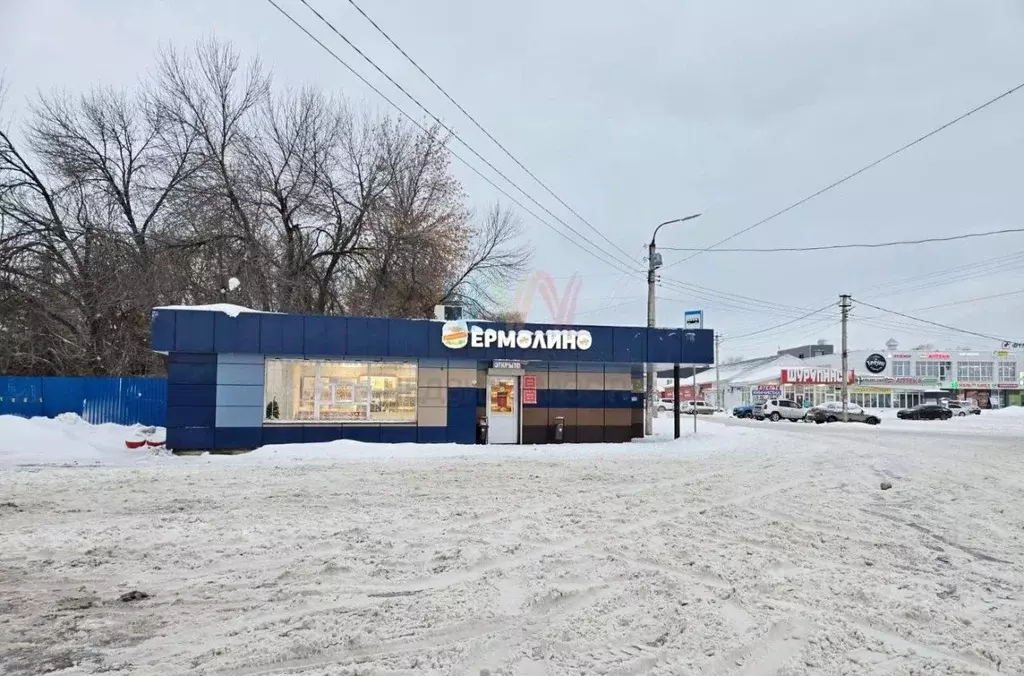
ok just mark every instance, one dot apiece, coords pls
pixel 887 378
pixel 239 381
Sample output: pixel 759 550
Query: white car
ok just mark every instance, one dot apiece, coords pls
pixel 666 404
pixel 779 409
pixel 696 407
pixel 962 408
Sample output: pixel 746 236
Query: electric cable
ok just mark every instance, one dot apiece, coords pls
pixel 876 245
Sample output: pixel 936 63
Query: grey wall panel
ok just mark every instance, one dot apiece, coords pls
pixel 240 374
pixel 234 358
pixel 239 395
pixel 239 416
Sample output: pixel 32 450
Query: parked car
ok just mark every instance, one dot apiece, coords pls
pixel 744 411
pixel 779 409
pixel 696 407
pixel 666 404
pixel 833 410
pixel 823 414
pixel 925 412
pixel 962 408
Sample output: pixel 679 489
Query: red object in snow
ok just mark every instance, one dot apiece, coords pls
pixel 134 443
pixel 150 442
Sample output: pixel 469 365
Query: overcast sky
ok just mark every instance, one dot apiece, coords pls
pixel 638 112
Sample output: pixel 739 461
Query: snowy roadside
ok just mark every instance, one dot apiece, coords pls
pixel 739 551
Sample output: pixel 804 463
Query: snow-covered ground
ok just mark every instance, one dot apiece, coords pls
pixel 750 549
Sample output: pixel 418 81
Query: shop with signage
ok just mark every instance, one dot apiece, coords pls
pixel 239 382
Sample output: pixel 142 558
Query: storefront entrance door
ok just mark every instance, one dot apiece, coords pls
pixel 503 409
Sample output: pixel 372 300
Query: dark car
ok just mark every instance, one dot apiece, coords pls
pixel 925 412
pixel 824 415
pixel 744 411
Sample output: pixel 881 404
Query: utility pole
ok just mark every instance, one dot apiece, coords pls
pixel 844 313
pixel 654 262
pixel 719 400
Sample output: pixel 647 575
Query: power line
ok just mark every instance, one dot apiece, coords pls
pixel 616 265
pixel 858 172
pixel 481 127
pixel 926 321
pixel 876 245
pixel 441 123
pixel 787 323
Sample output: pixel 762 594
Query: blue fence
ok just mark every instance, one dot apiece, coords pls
pixel 124 401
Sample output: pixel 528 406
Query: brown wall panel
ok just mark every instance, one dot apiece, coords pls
pixel 462 378
pixel 590 434
pixel 559 380
pixel 433 376
pixel 533 416
pixel 432 397
pixel 432 417
pixel 590 381
pixel 568 413
pixel 618 381
pixel 536 434
pixel 618 417
pixel 586 417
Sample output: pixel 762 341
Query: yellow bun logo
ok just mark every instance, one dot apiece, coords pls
pixel 584 340
pixel 455 334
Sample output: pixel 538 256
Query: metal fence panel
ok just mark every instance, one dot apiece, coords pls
pixel 124 401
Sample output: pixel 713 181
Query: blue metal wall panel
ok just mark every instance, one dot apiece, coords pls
pixel 281 434
pixel 402 338
pixel 431 435
pixel 62 395
pixel 239 374
pixel 161 323
pixel 665 346
pixel 409 338
pixel 190 438
pixel 368 336
pixel 630 344
pixel 21 396
pixel 192 373
pixel 193 331
pixel 462 397
pixel 239 334
pixel 405 434
pixel 461 425
pixel 191 416
pixel 698 347
pixel 366 433
pixel 238 438
pixel 124 401
pixel 179 394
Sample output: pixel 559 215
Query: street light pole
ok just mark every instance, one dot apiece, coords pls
pixel 654 262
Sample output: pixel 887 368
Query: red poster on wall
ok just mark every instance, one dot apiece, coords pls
pixel 529 382
pixel 529 396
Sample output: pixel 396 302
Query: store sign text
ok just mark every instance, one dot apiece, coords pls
pixel 935 355
pixel 891 380
pixel 766 391
pixel 456 335
pixel 901 355
pixel 553 339
pixel 815 376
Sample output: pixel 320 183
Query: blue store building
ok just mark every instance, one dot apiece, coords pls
pixel 239 382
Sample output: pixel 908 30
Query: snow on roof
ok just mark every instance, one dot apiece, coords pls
pixel 227 308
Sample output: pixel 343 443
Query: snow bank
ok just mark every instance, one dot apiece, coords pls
pixel 227 308
pixel 69 440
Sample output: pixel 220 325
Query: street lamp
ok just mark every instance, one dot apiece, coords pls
pixel 654 262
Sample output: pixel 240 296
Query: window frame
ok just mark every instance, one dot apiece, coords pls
pixel 902 368
pixel 318 387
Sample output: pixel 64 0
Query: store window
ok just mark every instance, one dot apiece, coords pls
pixel 941 370
pixel 901 369
pixel 974 371
pixel 339 391
pixel 1007 371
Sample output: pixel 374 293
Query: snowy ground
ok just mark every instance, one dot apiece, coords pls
pixel 751 549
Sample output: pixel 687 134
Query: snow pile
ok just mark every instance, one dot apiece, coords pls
pixel 227 308
pixel 69 440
